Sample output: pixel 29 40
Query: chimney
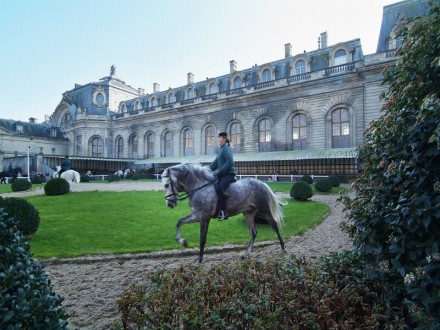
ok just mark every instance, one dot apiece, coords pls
pixel 141 91
pixel 46 118
pixel 190 78
pixel 232 66
pixel 287 50
pixel 323 39
pixel 32 120
pixel 156 88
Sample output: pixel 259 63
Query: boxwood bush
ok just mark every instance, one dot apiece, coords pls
pixel 307 178
pixel 27 216
pixel 323 185
pixel 336 182
pixel 21 184
pixel 27 297
pixel 112 178
pixel 85 178
pixel 36 179
pixel 56 186
pixel 301 191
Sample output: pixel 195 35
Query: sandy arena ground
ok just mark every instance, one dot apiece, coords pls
pixel 91 285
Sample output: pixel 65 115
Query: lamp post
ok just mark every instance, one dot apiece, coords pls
pixel 28 164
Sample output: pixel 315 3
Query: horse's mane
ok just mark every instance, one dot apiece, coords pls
pixel 200 171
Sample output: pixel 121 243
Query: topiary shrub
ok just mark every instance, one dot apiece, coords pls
pixel 307 178
pixel 56 186
pixel 301 191
pixel 323 185
pixel 24 212
pixel 85 178
pixel 112 178
pixel 27 297
pixel 21 185
pixel 394 217
pixel 336 182
pixel 136 176
pixel 37 179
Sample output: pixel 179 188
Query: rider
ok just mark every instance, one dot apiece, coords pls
pixel 224 162
pixel 65 166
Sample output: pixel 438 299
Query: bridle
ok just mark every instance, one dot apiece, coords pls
pixel 183 195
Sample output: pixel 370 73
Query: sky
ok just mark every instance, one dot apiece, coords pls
pixel 47 46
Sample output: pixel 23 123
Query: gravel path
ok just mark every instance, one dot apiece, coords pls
pixel 92 285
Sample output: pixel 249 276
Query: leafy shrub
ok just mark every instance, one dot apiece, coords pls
pixel 56 186
pixel 112 178
pixel 136 176
pixel 307 178
pixel 301 191
pixel 36 179
pixel 24 212
pixel 85 178
pixel 21 185
pixel 275 294
pixel 323 185
pixel 335 180
pixel 27 297
pixel 394 217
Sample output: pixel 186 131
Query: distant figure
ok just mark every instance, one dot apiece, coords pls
pixel 65 166
pixel 2 180
pixel 11 170
pixel 89 173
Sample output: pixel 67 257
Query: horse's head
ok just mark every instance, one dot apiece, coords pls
pixel 58 168
pixel 169 187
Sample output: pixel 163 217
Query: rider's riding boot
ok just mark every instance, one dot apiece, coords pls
pixel 223 215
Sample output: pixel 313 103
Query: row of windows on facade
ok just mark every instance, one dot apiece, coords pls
pixel 213 88
pixel 340 138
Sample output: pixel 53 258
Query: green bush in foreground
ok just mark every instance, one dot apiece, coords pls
pixel 27 299
pixel 275 294
pixel 24 212
pixel 56 186
pixel 21 184
pixel 301 191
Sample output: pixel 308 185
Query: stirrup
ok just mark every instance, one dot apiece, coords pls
pixel 222 215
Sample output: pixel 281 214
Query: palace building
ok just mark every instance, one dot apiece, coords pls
pixel 303 112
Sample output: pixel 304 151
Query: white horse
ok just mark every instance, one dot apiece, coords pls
pixel 121 173
pixel 70 175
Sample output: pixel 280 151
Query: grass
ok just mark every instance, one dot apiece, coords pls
pixel 87 223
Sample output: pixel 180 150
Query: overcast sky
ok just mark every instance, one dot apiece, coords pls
pixel 49 45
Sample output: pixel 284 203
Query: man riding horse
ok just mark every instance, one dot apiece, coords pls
pixel 65 166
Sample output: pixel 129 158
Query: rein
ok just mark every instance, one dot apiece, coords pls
pixel 184 195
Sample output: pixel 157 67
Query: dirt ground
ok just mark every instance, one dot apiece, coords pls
pixel 91 285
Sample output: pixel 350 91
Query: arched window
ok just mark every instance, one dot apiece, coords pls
pixel 168 144
pixel 212 88
pixel 119 147
pixel 170 98
pixel 190 93
pixel 237 82
pixel 300 67
pixel 187 142
pixel 149 145
pixel 340 128
pixel 264 132
pixel 209 140
pixel 123 108
pixel 266 75
pixel 153 101
pixel 137 105
pixel 97 147
pixel 133 143
pixel 236 137
pixel 66 121
pixel 299 132
pixel 340 57
pixel 79 145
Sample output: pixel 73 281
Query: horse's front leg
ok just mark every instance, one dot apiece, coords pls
pixel 188 219
pixel 204 224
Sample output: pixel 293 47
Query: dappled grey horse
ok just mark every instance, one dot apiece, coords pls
pixel 247 196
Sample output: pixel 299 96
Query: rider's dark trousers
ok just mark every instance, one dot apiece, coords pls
pixel 221 187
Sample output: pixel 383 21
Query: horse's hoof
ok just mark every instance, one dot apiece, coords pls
pixel 184 242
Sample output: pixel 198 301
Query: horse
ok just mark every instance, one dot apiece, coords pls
pixel 247 196
pixel 121 173
pixel 70 175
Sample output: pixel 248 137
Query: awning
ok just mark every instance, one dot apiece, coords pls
pixel 259 156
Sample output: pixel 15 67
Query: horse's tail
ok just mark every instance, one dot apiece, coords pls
pixel 276 207
pixel 77 176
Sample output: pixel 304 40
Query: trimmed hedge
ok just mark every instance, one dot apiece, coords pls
pixel 21 184
pixel 323 185
pixel 307 178
pixel 301 191
pixel 24 212
pixel 56 186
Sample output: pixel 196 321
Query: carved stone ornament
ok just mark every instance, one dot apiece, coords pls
pixel 99 98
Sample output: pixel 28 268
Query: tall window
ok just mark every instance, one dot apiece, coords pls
pixel 153 101
pixel 209 140
pixel 299 132
pixel 266 75
pixel 264 131
pixel 237 82
pixel 66 121
pixel 340 128
pixel 187 142
pixel 123 108
pixel 168 144
pixel 340 57
pixel 119 147
pixel 212 88
pixel 300 67
pixel 97 147
pixel 79 145
pixel 236 137
pixel 133 142
pixel 190 93
pixel 137 105
pixel 149 145
pixel 170 98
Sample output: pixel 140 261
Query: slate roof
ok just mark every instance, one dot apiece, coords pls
pixel 30 129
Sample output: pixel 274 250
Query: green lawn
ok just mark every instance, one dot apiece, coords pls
pixel 86 223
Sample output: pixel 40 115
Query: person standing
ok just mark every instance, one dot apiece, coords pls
pixel 224 163
pixel 65 166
